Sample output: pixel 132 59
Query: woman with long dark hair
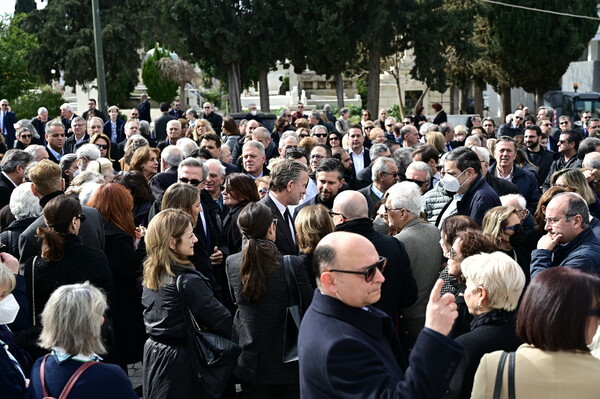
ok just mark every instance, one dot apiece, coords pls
pixel 261 292
pixel 239 190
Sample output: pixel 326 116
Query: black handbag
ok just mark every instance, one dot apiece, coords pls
pixel 213 357
pixel 500 375
pixel 293 314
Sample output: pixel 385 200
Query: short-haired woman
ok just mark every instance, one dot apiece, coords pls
pixel 259 284
pixel 494 283
pixel 557 320
pixel 168 371
pixel 72 321
pixel 145 160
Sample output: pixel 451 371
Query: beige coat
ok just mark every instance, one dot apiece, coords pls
pixel 541 374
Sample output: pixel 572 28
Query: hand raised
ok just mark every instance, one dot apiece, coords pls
pixel 441 310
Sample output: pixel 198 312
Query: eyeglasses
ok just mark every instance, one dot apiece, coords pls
pixel 26 136
pixel 135 114
pixel 369 271
pixel 556 220
pixel 102 146
pixel 417 182
pixel 586 117
pixel 336 138
pixel 81 217
pixel 206 107
pixel 563 123
pixel 193 182
pixel 389 125
pixel 317 156
pixel 78 125
pixel 368 127
pixel 386 209
pixel 263 191
pixel 4 105
pixel 563 141
pixel 395 174
pixel 320 135
pixel 333 213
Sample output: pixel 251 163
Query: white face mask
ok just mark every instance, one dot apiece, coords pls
pixel 253 113
pixel 9 307
pixel 451 183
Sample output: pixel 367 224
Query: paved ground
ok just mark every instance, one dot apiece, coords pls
pixel 135 375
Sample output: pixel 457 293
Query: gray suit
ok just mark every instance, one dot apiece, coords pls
pixel 91 233
pixel 421 241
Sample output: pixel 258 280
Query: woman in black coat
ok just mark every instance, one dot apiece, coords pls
pixel 64 260
pixel 168 371
pixel 259 284
pixel 26 209
pixel 494 283
pixel 239 191
pixel 114 202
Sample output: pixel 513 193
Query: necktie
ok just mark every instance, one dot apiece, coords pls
pixel 288 220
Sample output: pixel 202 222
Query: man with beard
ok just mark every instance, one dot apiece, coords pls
pixel 330 179
pixel 536 154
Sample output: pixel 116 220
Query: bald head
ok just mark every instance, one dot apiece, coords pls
pixel 335 246
pixel 351 204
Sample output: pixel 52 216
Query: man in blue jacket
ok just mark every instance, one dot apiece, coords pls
pixel 348 349
pixel 570 240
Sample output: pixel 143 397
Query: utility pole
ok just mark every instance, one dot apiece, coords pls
pixel 100 77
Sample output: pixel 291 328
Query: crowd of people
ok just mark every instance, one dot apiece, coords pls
pixel 425 259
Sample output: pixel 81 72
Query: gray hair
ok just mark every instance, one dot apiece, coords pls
pixel 256 144
pixel 172 155
pixel 327 107
pixel 262 132
pixel 66 106
pixel 89 151
pixel 33 149
pixel 79 119
pixel 482 153
pixel 144 127
pixel 87 190
pixel 23 204
pixel 136 141
pixel 344 110
pixel 285 171
pixel 499 274
pixel 21 130
pixel 83 178
pixel 54 122
pixel 421 166
pixel 42 110
pixel 507 200
pixel 381 164
pixel 406 195
pixel 378 149
pixel 286 136
pixel 65 161
pixel 391 120
pixel 172 122
pixel 282 112
pixel 403 158
pixel 591 160
pixel 314 129
pixel 27 124
pixel 14 158
pixel 187 146
pixel 194 163
pixel 72 319
pixel 473 140
pixel 586 146
pixel 95 119
pixel 221 168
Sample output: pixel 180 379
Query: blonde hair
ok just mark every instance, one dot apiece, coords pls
pixel 496 219
pixel 501 276
pixel 312 224
pixel 170 223
pixel 46 176
pixel 7 279
pixel 436 139
pixel 72 319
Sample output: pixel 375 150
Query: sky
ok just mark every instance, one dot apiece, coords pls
pixel 8 6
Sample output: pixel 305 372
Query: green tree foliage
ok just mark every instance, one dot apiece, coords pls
pixel 26 106
pixel 24 6
pixel 15 78
pixel 65 34
pixel 159 88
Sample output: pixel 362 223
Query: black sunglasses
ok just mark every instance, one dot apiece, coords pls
pixel 26 136
pixel 193 182
pixel 418 182
pixel 369 272
pixel 81 217
pixel 102 146
pixel 320 135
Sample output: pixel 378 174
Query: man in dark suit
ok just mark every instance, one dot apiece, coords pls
pixel 55 137
pixel 7 122
pixel 350 213
pixel 66 117
pixel 79 136
pixel 93 107
pixel 385 175
pixel 348 348
pixel 13 168
pixel 144 108
pixel 48 183
pixel 536 154
pixel 363 178
pixel 215 120
pixel 211 143
pixel 160 124
pixel 170 158
pixel 358 152
pixel 175 109
pixel 288 185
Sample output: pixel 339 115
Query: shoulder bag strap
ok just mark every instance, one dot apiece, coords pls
pixel 33 291
pixel 290 277
pixel 188 328
pixel 511 375
pixel 499 376
pixel 73 380
pixel 43 376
